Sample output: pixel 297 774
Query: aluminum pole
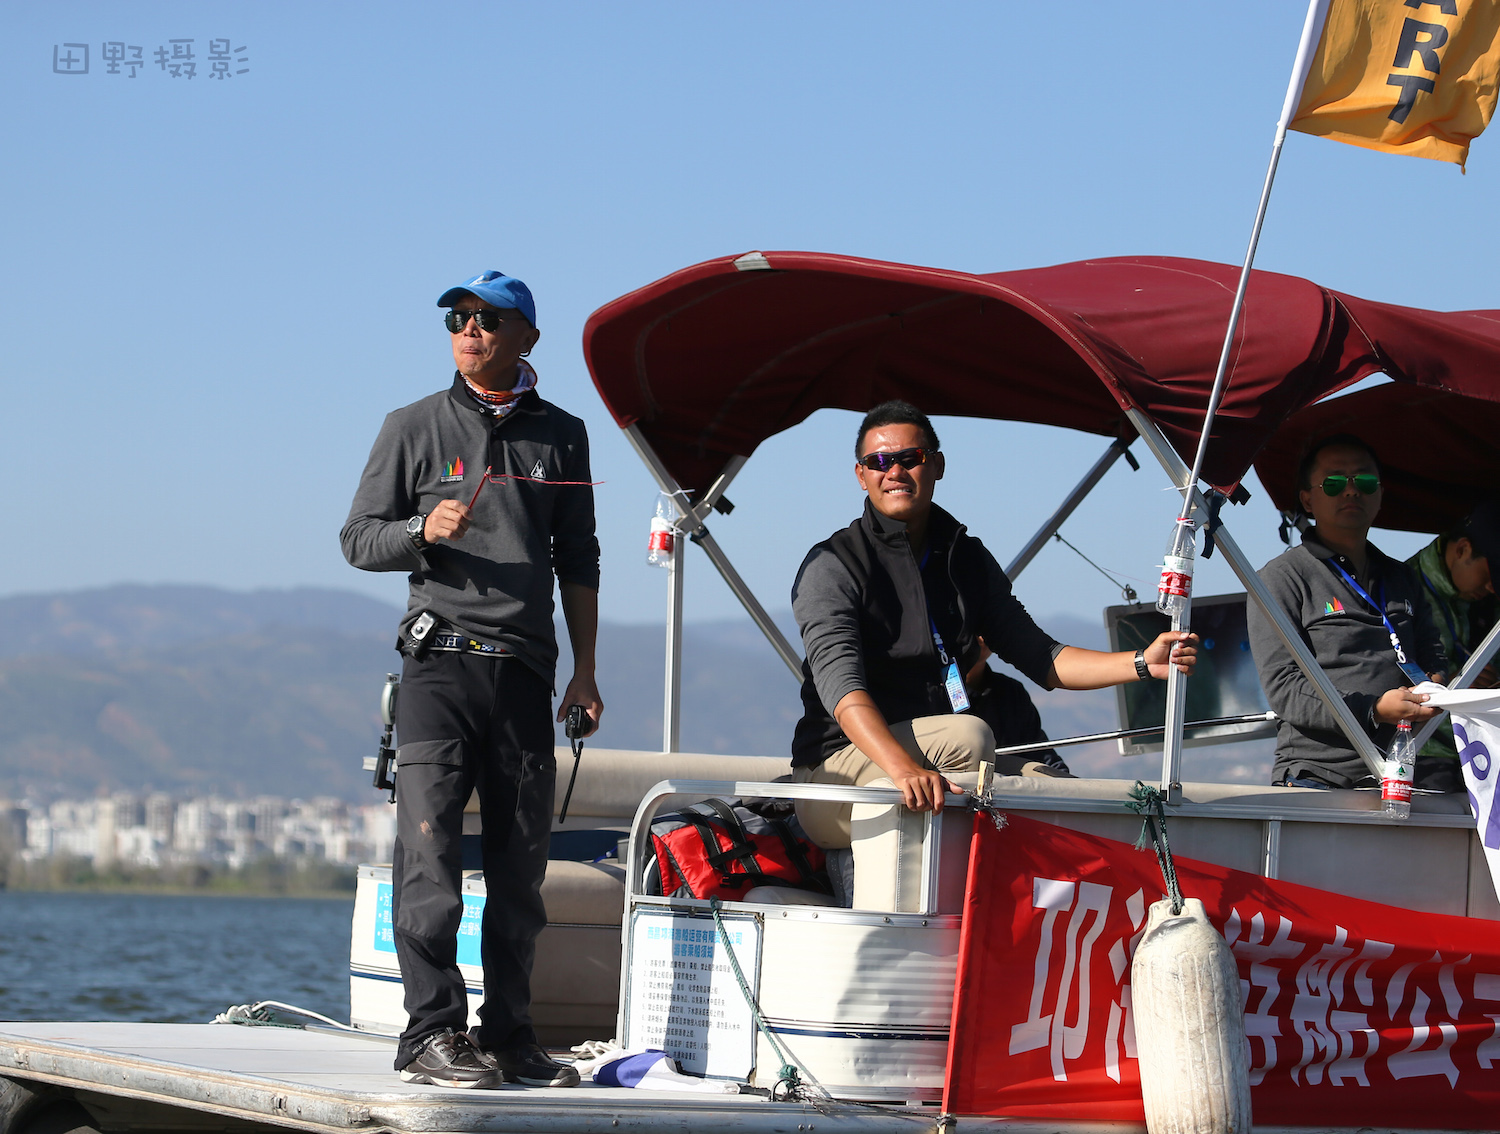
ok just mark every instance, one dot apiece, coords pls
pixel 671 712
pixel 1312 30
pixel 1034 545
pixel 690 518
pixel 730 470
pixel 1172 734
pixel 748 600
pixel 1129 733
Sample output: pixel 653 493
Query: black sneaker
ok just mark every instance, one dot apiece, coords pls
pixel 531 1065
pixel 451 1059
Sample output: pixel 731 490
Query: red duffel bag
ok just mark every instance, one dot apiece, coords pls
pixel 720 850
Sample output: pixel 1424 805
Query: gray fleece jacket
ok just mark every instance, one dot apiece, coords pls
pixel 1351 643
pixel 496 582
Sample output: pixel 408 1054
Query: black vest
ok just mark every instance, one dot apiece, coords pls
pixel 902 671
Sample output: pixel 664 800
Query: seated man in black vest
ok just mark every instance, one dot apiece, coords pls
pixel 891 610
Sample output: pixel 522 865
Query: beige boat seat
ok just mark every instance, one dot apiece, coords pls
pixel 887 844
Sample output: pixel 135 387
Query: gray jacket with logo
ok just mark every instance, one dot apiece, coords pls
pixel 496 582
pixel 1350 642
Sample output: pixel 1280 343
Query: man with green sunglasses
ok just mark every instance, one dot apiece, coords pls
pixel 1360 612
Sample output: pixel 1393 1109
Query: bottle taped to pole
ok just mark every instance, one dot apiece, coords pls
pixel 1175 590
pixel 663 539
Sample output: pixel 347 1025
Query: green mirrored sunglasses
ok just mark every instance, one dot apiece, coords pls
pixel 1367 483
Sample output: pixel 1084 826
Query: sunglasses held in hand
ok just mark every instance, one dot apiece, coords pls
pixel 1367 483
pixel 885 462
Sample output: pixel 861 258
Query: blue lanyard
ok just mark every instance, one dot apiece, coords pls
pixel 1413 672
pixel 937 639
pixel 1447 617
pixel 953 682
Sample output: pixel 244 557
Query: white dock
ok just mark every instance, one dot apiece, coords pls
pixel 186 1078
pixel 222 1076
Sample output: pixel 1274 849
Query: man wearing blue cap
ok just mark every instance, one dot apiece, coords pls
pixel 482 493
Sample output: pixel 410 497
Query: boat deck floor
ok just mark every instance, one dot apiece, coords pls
pixel 223 1076
pixel 233 1078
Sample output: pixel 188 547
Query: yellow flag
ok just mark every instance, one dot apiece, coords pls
pixel 1412 77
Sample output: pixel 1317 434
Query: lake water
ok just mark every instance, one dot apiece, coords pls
pixel 151 957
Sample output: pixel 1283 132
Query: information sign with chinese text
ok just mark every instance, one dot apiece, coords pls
pixel 684 997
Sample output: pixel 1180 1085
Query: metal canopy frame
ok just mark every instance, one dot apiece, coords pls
pixel 690 517
pixel 690 521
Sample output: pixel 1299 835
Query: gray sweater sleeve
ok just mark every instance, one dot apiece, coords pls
pixel 1288 692
pixel 374 536
pixel 825 602
pixel 575 547
pixel 1009 631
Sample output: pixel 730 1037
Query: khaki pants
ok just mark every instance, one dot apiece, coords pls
pixel 953 743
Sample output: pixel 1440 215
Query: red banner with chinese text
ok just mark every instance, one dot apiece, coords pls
pixel 1356 1013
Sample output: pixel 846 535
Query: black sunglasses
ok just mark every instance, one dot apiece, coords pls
pixel 906 458
pixel 1367 483
pixel 488 320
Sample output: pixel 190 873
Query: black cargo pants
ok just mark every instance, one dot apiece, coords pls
pixel 464 722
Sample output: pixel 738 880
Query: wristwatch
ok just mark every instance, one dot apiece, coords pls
pixel 414 528
pixel 1142 670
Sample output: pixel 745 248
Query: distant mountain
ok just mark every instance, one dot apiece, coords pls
pixel 198 689
pixel 137 617
pixel 286 713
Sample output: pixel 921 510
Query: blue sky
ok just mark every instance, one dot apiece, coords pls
pixel 214 290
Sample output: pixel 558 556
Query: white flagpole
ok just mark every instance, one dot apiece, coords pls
pixel 1312 32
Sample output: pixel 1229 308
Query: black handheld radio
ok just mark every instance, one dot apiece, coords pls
pixel 574 729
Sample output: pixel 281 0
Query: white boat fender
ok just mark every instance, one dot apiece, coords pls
pixel 1189 1025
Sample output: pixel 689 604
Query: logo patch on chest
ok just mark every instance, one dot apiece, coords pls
pixel 537 472
pixel 453 471
pixel 1334 607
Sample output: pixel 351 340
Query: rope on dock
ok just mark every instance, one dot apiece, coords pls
pixel 259 1015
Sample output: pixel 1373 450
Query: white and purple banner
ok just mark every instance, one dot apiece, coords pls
pixel 1476 733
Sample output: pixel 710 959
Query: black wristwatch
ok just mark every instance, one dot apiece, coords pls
pixel 414 528
pixel 1142 670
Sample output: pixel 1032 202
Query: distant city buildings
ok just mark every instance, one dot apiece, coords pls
pixel 158 830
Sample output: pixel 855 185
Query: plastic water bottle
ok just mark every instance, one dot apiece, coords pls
pixel 663 535
pixel 1400 766
pixel 1176 586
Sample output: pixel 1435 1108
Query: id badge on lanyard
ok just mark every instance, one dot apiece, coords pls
pixel 953 681
pixel 1410 668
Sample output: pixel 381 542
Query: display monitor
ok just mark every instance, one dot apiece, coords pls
pixel 1224 684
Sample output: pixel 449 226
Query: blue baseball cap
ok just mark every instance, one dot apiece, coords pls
pixel 498 290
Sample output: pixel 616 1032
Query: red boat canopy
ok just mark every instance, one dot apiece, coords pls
pixel 711 360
